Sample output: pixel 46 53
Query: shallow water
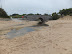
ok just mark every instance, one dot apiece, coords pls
pixel 15 19
pixel 14 33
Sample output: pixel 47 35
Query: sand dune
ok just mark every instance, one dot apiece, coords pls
pixel 54 39
pixel 66 18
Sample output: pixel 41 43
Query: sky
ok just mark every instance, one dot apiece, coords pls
pixel 34 6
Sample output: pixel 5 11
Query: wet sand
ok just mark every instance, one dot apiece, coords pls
pixel 54 39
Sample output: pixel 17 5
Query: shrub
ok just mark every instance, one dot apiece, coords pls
pixel 3 13
pixel 46 14
pixel 55 16
pixel 65 12
pixel 14 14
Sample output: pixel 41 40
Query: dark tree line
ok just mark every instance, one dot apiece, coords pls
pixel 66 12
pixel 55 15
pixel 62 13
pixel 3 14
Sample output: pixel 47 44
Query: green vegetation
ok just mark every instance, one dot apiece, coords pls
pixel 3 14
pixel 55 16
pixel 66 12
pixel 16 16
pixel 20 16
pixel 31 14
pixel 37 14
pixel 61 13
pixel 46 14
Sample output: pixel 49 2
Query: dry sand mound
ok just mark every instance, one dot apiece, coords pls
pixel 54 39
pixel 66 18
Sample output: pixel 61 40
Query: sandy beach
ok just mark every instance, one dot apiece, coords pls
pixel 53 39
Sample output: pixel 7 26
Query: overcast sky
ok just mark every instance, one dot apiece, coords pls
pixel 35 6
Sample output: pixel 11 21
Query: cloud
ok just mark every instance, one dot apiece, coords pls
pixel 35 6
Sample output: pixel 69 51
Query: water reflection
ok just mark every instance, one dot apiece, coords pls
pixel 13 33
